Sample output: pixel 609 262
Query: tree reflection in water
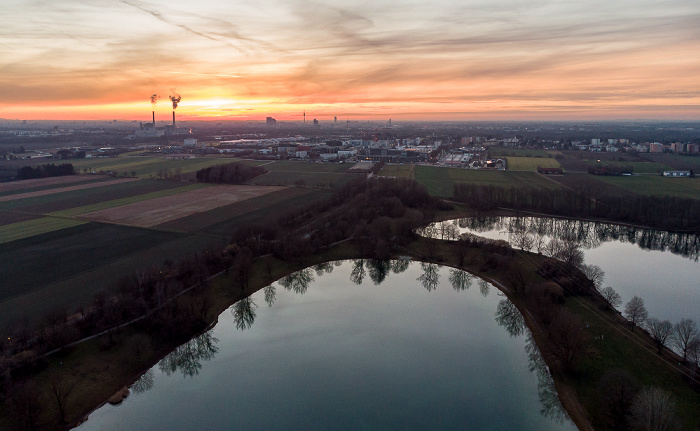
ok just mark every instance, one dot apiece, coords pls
pixel 144 383
pixel 551 405
pixel 484 287
pixel 400 265
pixel 270 293
pixel 585 233
pixel 188 357
pixel 358 272
pixel 430 277
pixel 461 280
pixel 298 282
pixel 508 316
pixel 378 270
pixel 244 313
pixel 323 268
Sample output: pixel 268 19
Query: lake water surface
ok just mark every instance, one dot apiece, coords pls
pixel 352 345
pixel 660 267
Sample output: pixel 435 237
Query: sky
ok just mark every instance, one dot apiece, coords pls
pixel 401 59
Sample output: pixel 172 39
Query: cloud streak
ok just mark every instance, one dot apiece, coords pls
pixel 398 56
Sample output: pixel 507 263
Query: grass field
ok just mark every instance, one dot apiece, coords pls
pixel 398 171
pixel 657 185
pixel 71 199
pixel 301 166
pixel 128 200
pixel 441 181
pixel 310 179
pixel 530 163
pixel 638 167
pixel 147 167
pixel 522 152
pixel 37 226
pixel 73 283
pixel 675 161
pixel 202 220
pixel 61 253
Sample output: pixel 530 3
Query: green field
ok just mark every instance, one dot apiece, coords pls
pixel 398 171
pixel 521 152
pixel 146 167
pixel 301 166
pixel 656 185
pixel 222 221
pixel 78 198
pixel 37 226
pixel 440 181
pixel 64 269
pixel 126 201
pixel 530 163
pixel 310 179
pixel 638 167
pixel 84 179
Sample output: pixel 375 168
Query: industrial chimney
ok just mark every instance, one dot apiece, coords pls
pixel 154 119
pixel 173 119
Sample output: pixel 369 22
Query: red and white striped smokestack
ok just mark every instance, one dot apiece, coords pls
pixel 173 118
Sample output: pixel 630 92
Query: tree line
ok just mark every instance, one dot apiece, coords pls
pixel 44 171
pixel 230 173
pixel 663 212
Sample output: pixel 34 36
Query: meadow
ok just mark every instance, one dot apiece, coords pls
pixel 397 171
pixel 530 163
pixel 441 181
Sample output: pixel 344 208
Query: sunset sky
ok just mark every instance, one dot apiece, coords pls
pixel 437 60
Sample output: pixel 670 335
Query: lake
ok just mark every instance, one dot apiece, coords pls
pixel 352 345
pixel 660 267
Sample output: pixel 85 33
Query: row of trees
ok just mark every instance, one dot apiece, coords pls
pixel 664 212
pixel 683 335
pixel 44 171
pixel 230 173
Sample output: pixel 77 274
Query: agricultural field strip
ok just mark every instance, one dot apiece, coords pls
pixel 200 221
pixel 26 229
pixel 55 186
pixel 43 182
pixel 157 211
pixel 655 185
pixel 530 163
pixel 64 189
pixel 126 201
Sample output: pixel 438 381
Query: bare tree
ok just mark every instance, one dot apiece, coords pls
pixel 270 294
pixel 635 311
pixel 653 410
pixel 244 313
pixel 595 274
pixel 612 297
pixel 461 280
pixel 660 331
pixel 61 389
pixel 683 333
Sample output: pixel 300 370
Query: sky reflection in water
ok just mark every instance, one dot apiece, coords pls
pixel 353 345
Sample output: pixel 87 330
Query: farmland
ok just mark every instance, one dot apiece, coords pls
pixel 522 152
pixel 530 163
pixel 397 171
pixel 441 181
pixel 63 240
pixel 656 185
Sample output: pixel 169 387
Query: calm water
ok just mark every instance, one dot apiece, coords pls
pixel 353 345
pixel 660 267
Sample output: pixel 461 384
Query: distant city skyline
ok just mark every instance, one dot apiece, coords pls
pixel 405 60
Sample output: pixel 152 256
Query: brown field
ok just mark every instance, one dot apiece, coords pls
pixel 62 189
pixel 43 182
pixel 160 210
